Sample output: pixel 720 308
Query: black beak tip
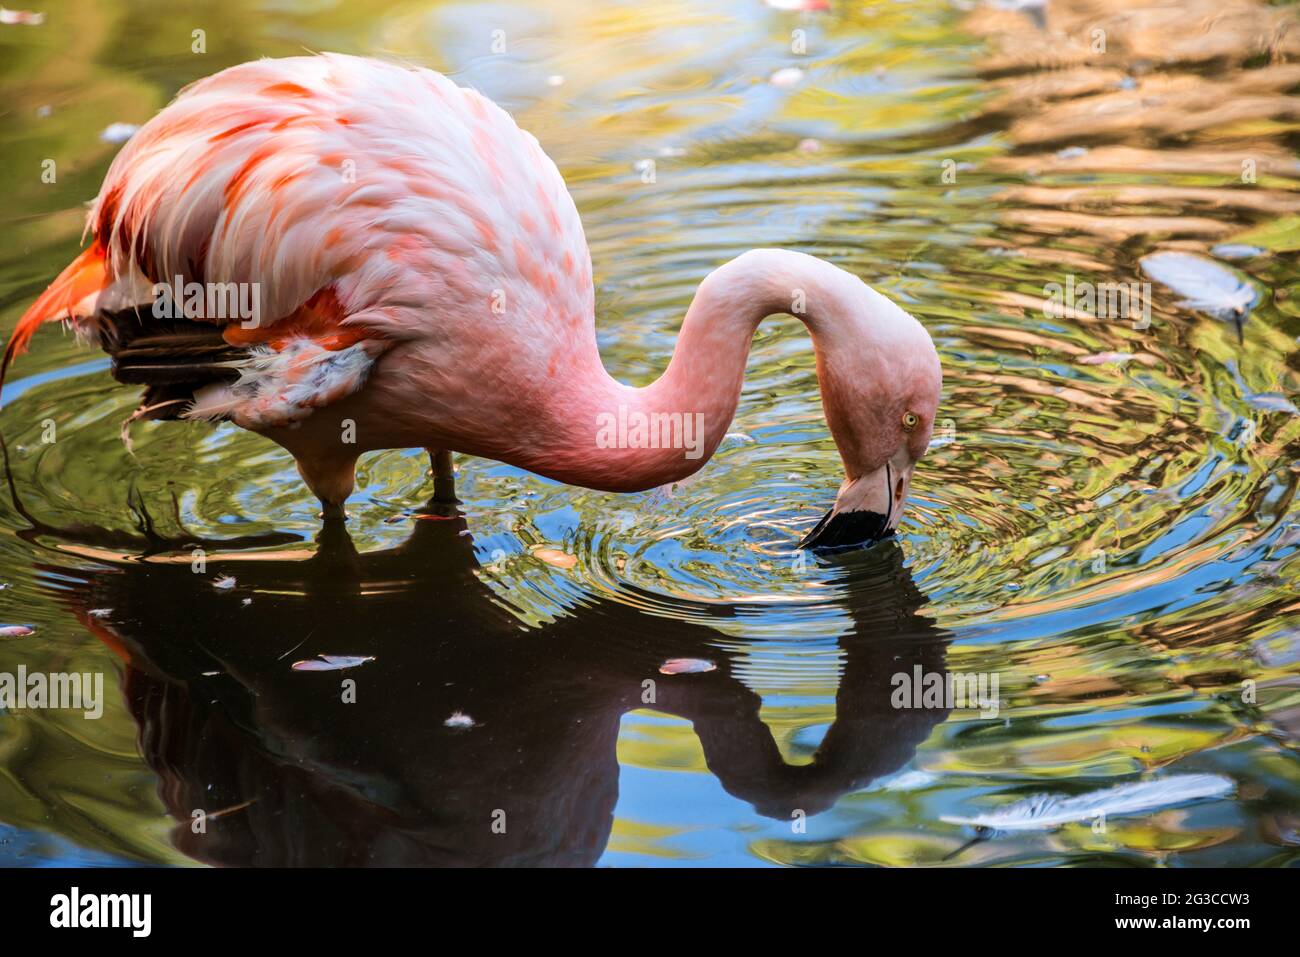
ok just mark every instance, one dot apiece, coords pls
pixel 845 530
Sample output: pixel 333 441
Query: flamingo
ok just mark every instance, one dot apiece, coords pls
pixel 344 254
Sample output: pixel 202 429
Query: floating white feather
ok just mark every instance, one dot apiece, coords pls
pixel 1203 283
pixel 1044 811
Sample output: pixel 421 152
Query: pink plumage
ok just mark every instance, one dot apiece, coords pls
pixel 326 172
pixel 420 278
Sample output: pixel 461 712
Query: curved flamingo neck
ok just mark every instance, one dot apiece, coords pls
pixel 609 436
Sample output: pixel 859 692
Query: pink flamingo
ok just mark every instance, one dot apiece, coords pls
pixel 343 255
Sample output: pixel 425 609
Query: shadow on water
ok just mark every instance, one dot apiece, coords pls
pixel 287 772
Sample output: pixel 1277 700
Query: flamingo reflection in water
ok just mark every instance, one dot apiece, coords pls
pixel 287 773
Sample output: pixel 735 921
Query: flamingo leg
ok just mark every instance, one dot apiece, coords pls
pixel 443 470
pixel 331 480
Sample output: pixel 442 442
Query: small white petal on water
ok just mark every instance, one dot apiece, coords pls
pixel 331 662
pixel 1106 358
pixel 786 77
pixel 99 612
pixel 118 132
pixel 459 719
pixel 224 583
pixel 686 666
pixel 800 6
pixel 738 438
pixel 911 781
pixel 16 631
pixel 25 17
pixel 1235 251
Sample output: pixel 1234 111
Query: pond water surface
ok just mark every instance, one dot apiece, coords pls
pixel 1107 521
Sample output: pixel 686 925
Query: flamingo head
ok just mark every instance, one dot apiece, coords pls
pixel 881 416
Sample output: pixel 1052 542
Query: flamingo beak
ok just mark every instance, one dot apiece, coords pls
pixel 867 509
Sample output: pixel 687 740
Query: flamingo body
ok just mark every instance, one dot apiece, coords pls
pixel 417 276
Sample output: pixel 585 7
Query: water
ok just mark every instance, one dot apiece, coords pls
pixel 1107 523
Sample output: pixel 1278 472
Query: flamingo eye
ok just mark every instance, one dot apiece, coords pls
pixel 909 421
